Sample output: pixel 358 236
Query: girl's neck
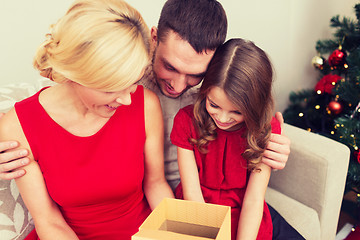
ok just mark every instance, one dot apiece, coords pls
pixel 234 128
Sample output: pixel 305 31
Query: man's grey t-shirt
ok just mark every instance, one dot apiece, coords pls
pixel 170 107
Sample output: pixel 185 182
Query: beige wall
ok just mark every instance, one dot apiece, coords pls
pixel 286 29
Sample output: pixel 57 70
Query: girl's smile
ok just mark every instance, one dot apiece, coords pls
pixel 222 110
pixel 223 125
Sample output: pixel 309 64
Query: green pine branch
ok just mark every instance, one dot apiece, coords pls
pixel 354 64
pixel 300 96
pixel 347 34
pixel 326 46
pixel 347 130
pixel 345 27
pixel 357 12
pixel 348 91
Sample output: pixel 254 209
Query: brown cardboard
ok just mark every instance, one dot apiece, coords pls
pixel 186 220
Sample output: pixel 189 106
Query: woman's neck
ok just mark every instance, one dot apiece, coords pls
pixel 64 106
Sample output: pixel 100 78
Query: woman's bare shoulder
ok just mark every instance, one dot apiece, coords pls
pixel 10 128
pixel 148 94
pixel 151 100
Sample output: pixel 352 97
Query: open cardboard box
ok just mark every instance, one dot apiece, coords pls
pixel 186 220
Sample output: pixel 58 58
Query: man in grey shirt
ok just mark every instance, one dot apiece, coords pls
pixel 187 36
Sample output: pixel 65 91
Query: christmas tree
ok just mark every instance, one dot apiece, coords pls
pixel 332 107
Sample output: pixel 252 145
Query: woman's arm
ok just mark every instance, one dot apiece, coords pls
pixel 155 185
pixel 49 222
pixel 253 203
pixel 189 175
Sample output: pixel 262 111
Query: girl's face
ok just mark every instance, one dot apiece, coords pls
pixel 225 115
pixel 102 103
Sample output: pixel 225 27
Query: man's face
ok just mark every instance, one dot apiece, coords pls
pixel 176 65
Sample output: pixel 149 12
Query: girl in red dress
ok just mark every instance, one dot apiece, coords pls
pixel 221 139
pixel 95 138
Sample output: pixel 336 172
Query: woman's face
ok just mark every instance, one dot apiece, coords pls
pixel 225 115
pixel 102 103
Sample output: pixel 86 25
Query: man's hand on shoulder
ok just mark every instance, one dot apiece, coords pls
pixel 11 160
pixel 278 149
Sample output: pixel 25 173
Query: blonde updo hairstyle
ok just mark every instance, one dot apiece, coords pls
pixel 100 44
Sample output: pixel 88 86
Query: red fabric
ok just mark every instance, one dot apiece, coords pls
pixel 95 180
pixel 222 171
pixel 354 235
pixel 32 236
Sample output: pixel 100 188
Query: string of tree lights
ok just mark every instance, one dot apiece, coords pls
pixel 332 108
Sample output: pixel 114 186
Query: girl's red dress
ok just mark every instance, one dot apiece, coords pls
pixel 96 180
pixel 222 171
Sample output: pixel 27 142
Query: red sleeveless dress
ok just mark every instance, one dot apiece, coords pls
pixel 222 171
pixel 97 180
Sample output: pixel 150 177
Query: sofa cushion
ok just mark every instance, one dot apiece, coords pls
pixel 303 218
pixel 15 220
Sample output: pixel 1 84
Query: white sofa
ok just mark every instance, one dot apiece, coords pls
pixel 307 193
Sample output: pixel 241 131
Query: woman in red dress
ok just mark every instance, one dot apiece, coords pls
pixel 95 138
pixel 221 139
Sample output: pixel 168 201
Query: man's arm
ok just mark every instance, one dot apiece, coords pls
pixel 12 160
pixel 278 149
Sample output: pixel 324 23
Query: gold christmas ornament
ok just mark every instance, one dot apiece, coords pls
pixel 318 62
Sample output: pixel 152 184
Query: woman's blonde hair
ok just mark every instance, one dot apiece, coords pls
pixel 100 44
pixel 245 74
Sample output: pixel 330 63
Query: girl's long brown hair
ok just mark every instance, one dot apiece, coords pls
pixel 245 74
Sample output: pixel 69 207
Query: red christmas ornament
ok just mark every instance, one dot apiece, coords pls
pixel 335 107
pixel 357 156
pixel 327 83
pixel 337 58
